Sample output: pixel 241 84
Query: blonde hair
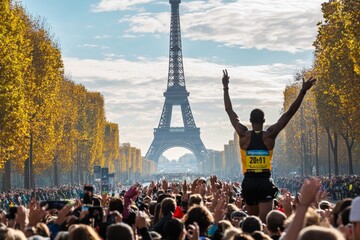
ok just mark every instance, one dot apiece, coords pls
pixel 317 232
pixel 82 232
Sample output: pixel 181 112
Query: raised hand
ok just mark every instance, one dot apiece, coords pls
pixel 184 187
pixel 36 214
pixel 225 79
pixel 63 213
pixel 193 231
pixel 306 85
pixel 219 211
pixel 309 191
pixel 286 202
pixel 165 184
pixel 194 185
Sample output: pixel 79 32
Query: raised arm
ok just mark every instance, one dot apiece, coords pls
pixel 240 128
pixel 285 118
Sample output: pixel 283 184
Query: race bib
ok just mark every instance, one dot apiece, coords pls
pixel 257 161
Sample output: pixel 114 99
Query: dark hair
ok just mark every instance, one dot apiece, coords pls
pixel 251 224
pixel 275 220
pixel 339 207
pixel 201 215
pixel 257 116
pixel 174 228
pixel 195 199
pixel 259 235
pixel 116 204
pixel 345 216
pixel 168 205
pixel 119 231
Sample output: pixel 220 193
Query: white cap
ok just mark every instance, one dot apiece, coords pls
pixel 355 210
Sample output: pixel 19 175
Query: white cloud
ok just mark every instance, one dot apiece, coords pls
pixel 102 36
pixel 133 94
pixel 117 5
pixel 274 25
pixel 148 23
pixel 87 45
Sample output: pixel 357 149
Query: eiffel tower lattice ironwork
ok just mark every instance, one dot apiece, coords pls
pixel 166 137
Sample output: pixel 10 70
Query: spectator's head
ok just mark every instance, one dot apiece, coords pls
pixel 116 204
pixel 201 215
pixel 345 216
pixel 236 234
pixel 62 235
pixel 168 205
pixel 155 235
pixel 339 207
pixel 311 218
pixel 275 222
pixel 82 232
pixel 259 235
pixel 11 234
pixel 230 208
pixel 175 229
pixel 355 218
pixel 119 231
pixel 42 230
pixel 325 205
pixel 236 217
pixel 317 232
pixel 220 231
pixel 152 206
pixel 257 116
pixel 161 197
pixel 251 224
pixel 195 199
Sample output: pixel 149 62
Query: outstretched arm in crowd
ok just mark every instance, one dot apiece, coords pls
pixel 240 128
pixel 307 196
pixel 130 196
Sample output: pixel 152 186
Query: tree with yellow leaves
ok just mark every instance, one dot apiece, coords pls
pixel 15 60
pixel 335 65
pixel 111 147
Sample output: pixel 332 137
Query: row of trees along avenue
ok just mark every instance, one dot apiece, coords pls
pixel 47 122
pixel 322 138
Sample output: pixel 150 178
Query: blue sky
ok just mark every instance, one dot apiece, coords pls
pixel 120 48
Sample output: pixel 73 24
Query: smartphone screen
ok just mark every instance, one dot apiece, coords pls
pixel 85 208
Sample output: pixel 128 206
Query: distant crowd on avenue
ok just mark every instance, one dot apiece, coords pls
pixel 205 208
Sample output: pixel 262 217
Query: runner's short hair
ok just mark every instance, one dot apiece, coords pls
pixel 257 116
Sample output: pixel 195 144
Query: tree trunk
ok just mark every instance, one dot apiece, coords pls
pixel 7 176
pixel 334 148
pixel 349 145
pixel 316 149
pixel 28 169
pixel 26 174
pixel 72 175
pixel 56 173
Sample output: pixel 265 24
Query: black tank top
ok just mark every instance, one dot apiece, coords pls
pixel 257 141
pixel 256 158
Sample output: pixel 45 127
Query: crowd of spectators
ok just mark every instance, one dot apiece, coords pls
pixel 24 196
pixel 337 187
pixel 200 209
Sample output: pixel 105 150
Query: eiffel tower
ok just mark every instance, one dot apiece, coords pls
pixel 166 137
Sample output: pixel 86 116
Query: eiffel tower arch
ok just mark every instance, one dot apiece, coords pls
pixel 188 136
